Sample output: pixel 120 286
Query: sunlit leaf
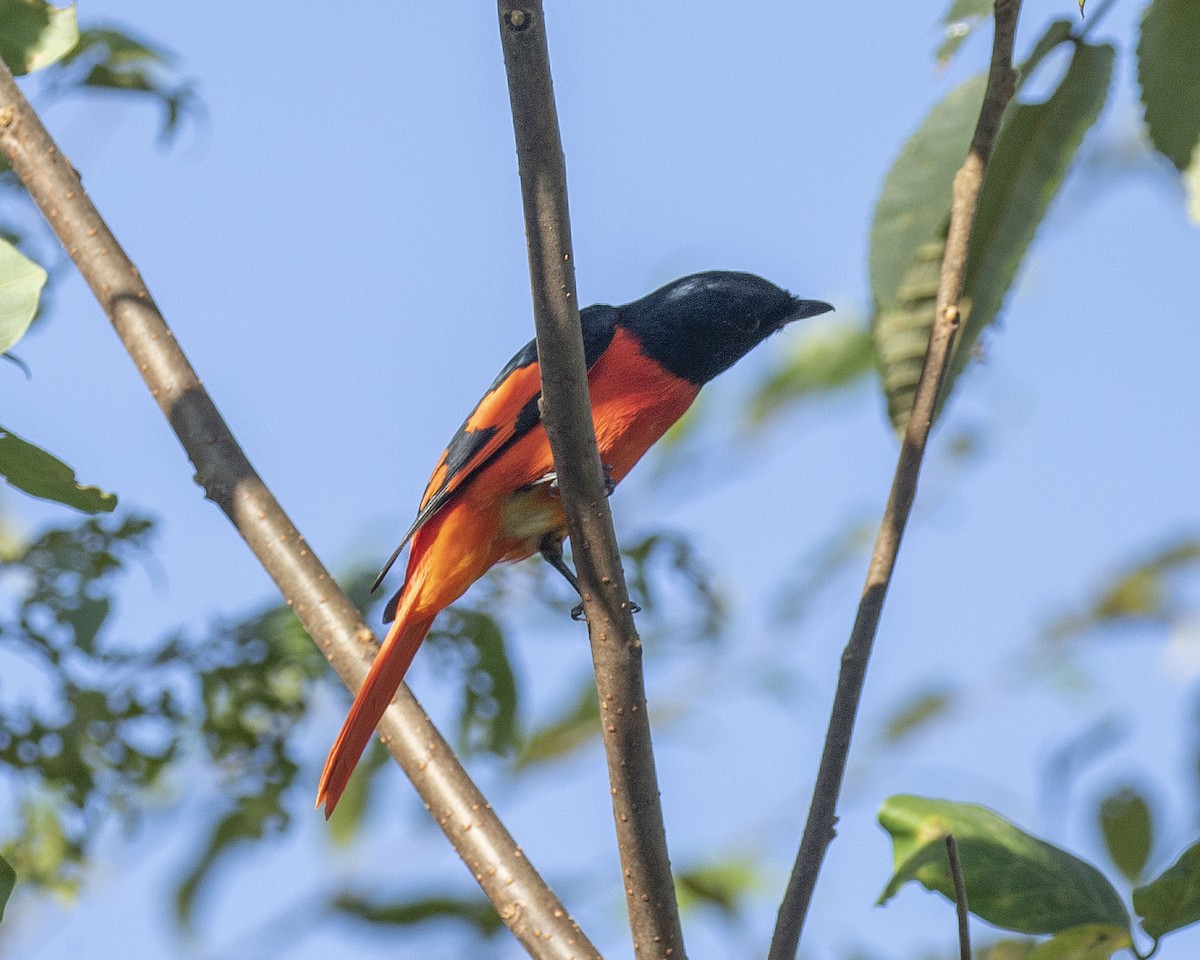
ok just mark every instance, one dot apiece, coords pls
pixel 962 17
pixel 1095 941
pixel 477 912
pixel 8 880
pixel 39 474
pixel 21 282
pixel 566 734
pixel 1168 52
pixel 828 356
pixel 1172 900
pixel 1013 880
pixel 1125 824
pixel 725 885
pixel 35 34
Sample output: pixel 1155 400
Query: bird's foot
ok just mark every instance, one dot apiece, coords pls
pixel 579 616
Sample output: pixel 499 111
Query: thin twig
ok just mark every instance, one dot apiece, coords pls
pixel 960 898
pixel 566 412
pixel 521 897
pixel 822 815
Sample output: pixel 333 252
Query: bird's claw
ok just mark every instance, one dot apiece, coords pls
pixel 579 616
pixel 551 481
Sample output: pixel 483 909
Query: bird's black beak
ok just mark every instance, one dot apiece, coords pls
pixel 802 309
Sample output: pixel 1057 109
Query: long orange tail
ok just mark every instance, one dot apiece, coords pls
pixel 398 649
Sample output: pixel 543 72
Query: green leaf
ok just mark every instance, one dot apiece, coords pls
pixel 1172 900
pixel 725 886
pixel 914 205
pixel 39 474
pixel 962 17
pixel 123 63
pixel 34 34
pixel 8 880
pixel 475 911
pixel 1032 156
pixel 1168 52
pixel 828 356
pixel 21 282
pixel 1013 880
pixel 575 727
pixel 1093 941
pixel 1125 824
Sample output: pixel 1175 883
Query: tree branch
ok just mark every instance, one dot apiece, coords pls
pixel 566 412
pixel 822 815
pixel 521 897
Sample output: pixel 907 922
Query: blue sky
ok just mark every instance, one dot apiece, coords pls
pixel 339 249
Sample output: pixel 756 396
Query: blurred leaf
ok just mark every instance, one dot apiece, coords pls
pixel 1139 592
pixel 252 818
pixel 347 816
pixel 826 357
pixel 823 564
pixel 21 282
pixel 962 17
pixel 1013 880
pixel 114 60
pixel 488 717
pixel 924 708
pixel 575 727
pixel 725 886
pixel 43 855
pixel 477 912
pixel 35 34
pixel 643 561
pixel 1007 950
pixel 1168 52
pixel 1032 156
pixel 1095 941
pixel 8 880
pixel 1125 824
pixel 1172 900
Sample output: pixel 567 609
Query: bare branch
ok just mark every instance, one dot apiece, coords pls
pixel 521 897
pixel 822 815
pixel 566 412
pixel 960 898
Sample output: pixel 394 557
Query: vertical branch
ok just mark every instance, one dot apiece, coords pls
pixel 522 899
pixel 566 413
pixel 960 898
pixel 822 814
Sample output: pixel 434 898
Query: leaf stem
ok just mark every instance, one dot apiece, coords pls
pixel 822 816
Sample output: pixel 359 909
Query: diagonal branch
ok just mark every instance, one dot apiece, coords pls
pixel 822 814
pixel 616 648
pixel 520 896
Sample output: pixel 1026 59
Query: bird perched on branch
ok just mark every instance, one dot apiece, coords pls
pixel 492 496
